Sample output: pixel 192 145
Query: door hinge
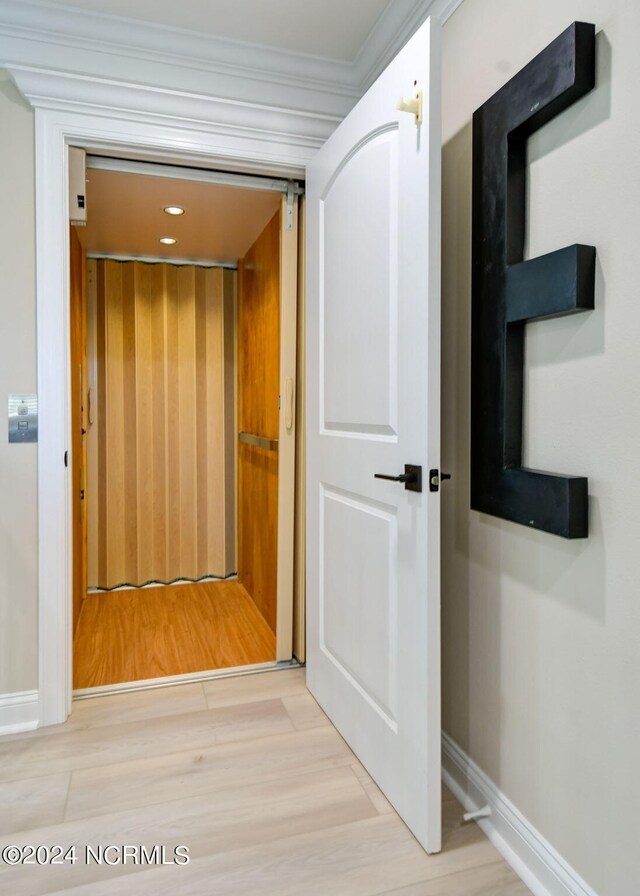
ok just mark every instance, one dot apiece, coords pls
pixel 66 458
pixel 435 478
pixel 413 105
pixel 290 196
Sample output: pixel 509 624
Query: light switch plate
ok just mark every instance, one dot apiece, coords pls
pixel 23 418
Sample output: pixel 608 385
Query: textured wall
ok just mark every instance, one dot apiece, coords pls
pixel 540 655
pixel 18 463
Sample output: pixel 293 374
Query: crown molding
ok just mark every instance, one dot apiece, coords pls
pixel 70 59
pixel 33 32
pixel 280 141
pixel 396 25
pixel 72 27
pixel 69 92
pixel 82 42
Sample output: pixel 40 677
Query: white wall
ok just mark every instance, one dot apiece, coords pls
pixel 541 636
pixel 18 498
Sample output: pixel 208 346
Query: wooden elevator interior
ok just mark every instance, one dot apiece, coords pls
pixel 175 426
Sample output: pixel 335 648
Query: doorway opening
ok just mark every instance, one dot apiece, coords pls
pixel 184 292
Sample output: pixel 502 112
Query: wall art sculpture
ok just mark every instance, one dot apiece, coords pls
pixel 508 291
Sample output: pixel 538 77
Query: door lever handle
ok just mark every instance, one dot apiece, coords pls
pixel 403 477
pixel 412 477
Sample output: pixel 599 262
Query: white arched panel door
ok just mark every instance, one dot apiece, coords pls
pixel 373 400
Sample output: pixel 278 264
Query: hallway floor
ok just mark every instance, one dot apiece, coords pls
pixel 250 775
pixel 144 633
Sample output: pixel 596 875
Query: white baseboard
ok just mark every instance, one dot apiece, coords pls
pixel 18 712
pixel 532 857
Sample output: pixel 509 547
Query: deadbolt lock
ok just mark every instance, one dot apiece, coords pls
pixel 435 478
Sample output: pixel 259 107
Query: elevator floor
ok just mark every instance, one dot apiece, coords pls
pixel 173 630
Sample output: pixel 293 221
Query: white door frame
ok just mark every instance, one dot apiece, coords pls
pixel 170 137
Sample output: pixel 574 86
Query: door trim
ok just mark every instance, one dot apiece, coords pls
pixel 287 430
pixel 299 568
pixel 132 133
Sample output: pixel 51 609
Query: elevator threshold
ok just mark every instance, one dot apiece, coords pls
pixel 188 678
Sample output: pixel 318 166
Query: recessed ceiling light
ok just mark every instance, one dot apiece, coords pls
pixel 168 240
pixel 173 210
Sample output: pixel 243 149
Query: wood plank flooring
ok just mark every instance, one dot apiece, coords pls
pixel 154 632
pixel 250 775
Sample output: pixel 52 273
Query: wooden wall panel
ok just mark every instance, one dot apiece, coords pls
pixel 150 423
pixel 207 437
pixel 186 429
pixel 258 346
pixel 145 447
pixel 99 458
pixel 161 381
pixel 229 352
pixel 78 420
pixel 93 482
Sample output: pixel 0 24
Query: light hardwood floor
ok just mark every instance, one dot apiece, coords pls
pixel 154 632
pixel 250 775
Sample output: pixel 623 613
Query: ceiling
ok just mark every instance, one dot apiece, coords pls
pixel 125 217
pixel 335 29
